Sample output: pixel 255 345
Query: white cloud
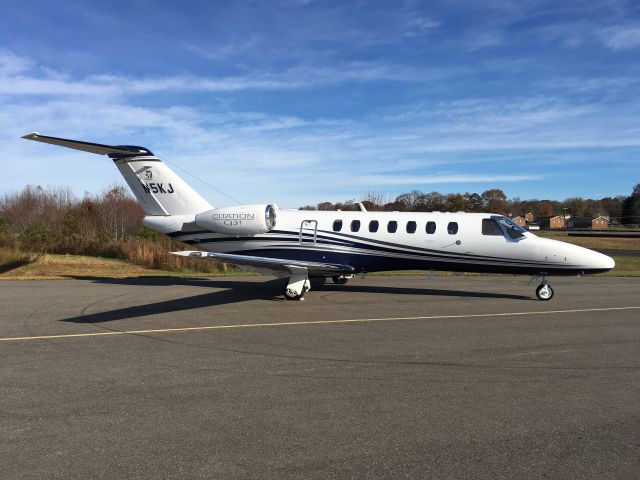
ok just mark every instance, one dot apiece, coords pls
pixel 12 64
pixel 18 76
pixel 621 37
pixel 288 158
pixel 382 180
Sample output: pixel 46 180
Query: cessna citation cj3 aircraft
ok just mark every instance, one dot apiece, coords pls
pixel 299 244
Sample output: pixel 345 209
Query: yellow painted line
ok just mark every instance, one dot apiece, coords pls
pixel 311 322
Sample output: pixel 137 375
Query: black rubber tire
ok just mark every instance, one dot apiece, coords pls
pixel 289 295
pixel 544 292
pixel 339 279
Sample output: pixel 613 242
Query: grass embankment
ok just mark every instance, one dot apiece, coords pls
pixel 50 266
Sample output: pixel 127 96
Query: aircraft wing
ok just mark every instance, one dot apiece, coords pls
pixel 274 264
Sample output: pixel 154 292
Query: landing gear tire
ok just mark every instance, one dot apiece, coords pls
pixel 291 294
pixel 341 279
pixel 544 292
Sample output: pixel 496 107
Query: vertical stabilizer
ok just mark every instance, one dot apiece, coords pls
pixel 158 189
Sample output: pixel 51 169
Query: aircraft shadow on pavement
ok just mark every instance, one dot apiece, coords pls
pixel 236 291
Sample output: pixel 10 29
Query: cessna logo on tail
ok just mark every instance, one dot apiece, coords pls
pixel 157 187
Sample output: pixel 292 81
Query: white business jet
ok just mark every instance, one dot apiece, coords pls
pixel 299 244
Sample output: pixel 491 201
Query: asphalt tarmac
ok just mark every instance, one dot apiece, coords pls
pixel 386 377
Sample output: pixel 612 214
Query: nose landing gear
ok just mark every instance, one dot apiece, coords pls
pixel 544 291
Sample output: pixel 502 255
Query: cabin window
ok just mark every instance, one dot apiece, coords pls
pixel 411 227
pixel 373 225
pixel 392 226
pixel 355 225
pixel 431 228
pixel 490 227
pixel 337 225
pixel 452 228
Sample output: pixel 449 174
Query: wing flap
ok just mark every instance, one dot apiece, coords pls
pixel 276 264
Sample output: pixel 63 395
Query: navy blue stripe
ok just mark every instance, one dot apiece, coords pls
pixel 363 246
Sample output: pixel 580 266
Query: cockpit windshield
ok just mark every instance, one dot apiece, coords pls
pixel 511 228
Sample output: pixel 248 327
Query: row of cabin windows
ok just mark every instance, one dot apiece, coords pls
pixel 392 226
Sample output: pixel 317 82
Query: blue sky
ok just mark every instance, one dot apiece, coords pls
pixel 297 102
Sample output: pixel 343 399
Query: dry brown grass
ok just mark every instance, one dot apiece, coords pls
pixel 50 266
pixel 156 255
pixel 12 258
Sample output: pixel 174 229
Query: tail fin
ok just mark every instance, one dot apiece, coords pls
pixel 158 189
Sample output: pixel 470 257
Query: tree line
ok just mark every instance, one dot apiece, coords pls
pixel 620 209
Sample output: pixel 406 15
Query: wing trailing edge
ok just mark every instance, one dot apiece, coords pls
pixel 276 264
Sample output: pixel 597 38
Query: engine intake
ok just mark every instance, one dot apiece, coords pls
pixel 241 219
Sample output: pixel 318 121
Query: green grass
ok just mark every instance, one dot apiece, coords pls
pixel 625 267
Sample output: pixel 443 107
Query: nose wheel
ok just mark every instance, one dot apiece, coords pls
pixel 544 292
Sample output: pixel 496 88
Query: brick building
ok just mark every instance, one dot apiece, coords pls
pixel 552 223
pixel 520 221
pixel 600 223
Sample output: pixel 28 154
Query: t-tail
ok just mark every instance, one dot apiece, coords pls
pixel 158 189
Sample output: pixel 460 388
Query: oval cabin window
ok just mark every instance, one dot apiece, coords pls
pixel 373 226
pixel 452 228
pixel 411 227
pixel 392 226
pixel 355 225
pixel 431 228
pixel 337 225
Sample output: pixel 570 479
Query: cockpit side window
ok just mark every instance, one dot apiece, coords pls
pixel 490 227
pixel 514 231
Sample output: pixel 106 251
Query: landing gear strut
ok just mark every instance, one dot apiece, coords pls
pixel 298 284
pixel 544 291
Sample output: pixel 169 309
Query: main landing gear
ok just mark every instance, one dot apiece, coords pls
pixel 341 279
pixel 544 291
pixel 298 284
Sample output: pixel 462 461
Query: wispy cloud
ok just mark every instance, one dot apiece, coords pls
pixel 384 180
pixel 621 37
pixel 19 76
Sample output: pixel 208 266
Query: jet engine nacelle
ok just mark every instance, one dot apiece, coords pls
pixel 241 219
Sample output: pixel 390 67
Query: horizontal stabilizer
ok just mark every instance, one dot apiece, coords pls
pixel 277 264
pixel 88 146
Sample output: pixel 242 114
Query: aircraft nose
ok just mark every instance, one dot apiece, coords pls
pixel 593 261
pixel 599 262
pixel 604 261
